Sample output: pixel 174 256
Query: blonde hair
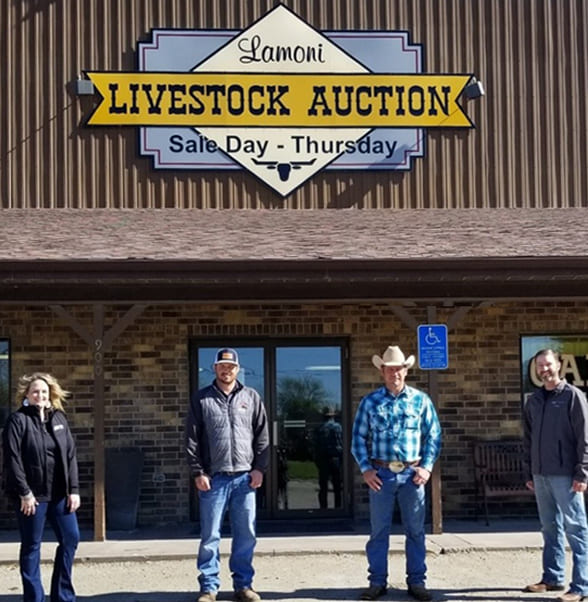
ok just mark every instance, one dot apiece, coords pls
pixel 56 394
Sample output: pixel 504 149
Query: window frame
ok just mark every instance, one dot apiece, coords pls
pixel 5 404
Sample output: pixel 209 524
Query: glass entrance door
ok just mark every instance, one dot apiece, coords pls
pixel 302 386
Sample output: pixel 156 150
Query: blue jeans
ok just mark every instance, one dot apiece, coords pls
pixel 65 526
pixel 411 501
pixel 235 494
pixel 562 511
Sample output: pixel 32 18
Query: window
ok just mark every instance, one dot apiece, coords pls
pixel 4 380
pixel 573 349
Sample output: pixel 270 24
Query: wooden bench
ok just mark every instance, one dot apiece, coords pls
pixel 498 469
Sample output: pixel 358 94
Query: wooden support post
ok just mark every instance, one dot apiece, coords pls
pixel 436 502
pixel 100 342
pixel 99 469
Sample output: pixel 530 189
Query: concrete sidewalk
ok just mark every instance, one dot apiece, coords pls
pixel 170 544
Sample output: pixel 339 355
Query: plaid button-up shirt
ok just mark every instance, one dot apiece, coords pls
pixel 403 427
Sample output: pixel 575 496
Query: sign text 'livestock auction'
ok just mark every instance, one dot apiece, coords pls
pixel 279 100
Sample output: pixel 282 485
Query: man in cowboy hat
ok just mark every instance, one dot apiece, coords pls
pixel 396 439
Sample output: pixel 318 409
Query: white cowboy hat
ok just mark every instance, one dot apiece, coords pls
pixel 393 356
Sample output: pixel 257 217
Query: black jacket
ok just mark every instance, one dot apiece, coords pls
pixel 556 433
pixel 25 456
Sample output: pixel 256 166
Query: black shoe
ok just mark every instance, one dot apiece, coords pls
pixel 373 592
pixel 419 592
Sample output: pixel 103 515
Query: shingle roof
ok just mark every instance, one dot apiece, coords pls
pixel 171 255
pixel 230 234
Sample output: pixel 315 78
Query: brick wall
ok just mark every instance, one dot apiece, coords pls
pixel 147 380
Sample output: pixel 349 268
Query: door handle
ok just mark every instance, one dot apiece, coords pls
pixel 275 433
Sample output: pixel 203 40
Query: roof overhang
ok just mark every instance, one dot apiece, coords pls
pixel 47 281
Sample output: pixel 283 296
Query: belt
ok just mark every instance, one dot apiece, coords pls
pixel 225 473
pixel 395 465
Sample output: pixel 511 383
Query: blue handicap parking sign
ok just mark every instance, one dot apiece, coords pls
pixel 432 347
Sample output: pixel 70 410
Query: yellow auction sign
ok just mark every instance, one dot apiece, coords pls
pixel 301 100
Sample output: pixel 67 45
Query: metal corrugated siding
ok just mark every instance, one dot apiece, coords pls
pixel 529 149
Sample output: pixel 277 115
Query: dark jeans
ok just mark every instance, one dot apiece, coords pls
pixel 65 526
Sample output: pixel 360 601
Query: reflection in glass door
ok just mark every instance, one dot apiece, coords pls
pixel 308 435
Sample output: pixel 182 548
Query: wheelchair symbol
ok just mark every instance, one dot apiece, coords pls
pixel 431 338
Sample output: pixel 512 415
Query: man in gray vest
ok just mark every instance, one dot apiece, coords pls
pixel 227 447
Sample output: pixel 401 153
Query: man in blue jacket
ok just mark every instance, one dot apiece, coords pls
pixel 555 420
pixel 227 446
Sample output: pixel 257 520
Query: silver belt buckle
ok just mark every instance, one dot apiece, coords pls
pixel 396 466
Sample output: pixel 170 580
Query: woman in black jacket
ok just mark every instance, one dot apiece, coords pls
pixel 41 474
